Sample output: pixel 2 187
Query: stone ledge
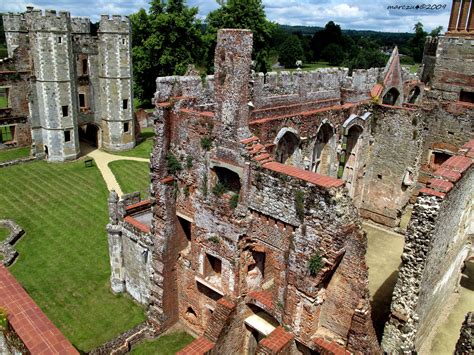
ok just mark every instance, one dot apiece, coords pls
pixel 6 247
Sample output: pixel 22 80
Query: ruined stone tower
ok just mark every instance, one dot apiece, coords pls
pixel 78 85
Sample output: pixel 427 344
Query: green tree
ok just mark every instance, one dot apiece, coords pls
pixel 417 42
pixel 330 34
pixel 290 52
pixel 165 41
pixel 333 53
pixel 436 31
pixel 247 14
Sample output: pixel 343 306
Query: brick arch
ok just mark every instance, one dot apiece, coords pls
pixel 287 149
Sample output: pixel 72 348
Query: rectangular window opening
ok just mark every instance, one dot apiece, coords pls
pixel 213 269
pixel 466 96
pixel 186 225
pixel 4 99
pixel 125 104
pixel 82 100
pixel 126 127
pixel 7 133
pixel 59 39
pixel 65 110
pixel 67 136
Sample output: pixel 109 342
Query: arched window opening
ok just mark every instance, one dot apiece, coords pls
pixel 414 94
pixel 322 150
pixel 287 146
pixel 391 97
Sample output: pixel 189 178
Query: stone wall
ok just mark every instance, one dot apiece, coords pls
pixel 452 72
pixel 130 249
pixel 465 344
pixel 438 230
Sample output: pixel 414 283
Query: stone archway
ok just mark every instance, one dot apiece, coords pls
pixel 91 133
pixel 353 139
pixel 391 97
pixel 287 147
pixel 323 149
pixel 414 95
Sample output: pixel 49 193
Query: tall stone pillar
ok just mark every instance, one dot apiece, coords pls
pixel 232 75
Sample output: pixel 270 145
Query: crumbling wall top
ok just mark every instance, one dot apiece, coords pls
pixel 14 22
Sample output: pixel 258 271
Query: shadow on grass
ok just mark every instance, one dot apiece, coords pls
pixel 381 304
pixel 144 135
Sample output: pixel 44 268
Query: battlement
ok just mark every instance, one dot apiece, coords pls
pixel 14 22
pixel 81 25
pixel 114 24
pixel 49 20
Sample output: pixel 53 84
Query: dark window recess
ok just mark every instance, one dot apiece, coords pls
pixel 82 100
pixel 123 40
pixel 229 179
pixel 186 225
pixel 466 96
pixel 379 176
pixel 125 104
pixel 59 39
pixel 440 158
pixel 126 127
pixel 67 136
pixel 84 66
pixel 65 111
pixel 213 266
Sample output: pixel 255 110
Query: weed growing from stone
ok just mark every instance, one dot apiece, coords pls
pixel 173 163
pixel 315 264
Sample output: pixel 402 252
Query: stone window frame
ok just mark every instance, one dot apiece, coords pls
pixel 126 127
pixel 8 90
pixel 67 134
pixel 13 135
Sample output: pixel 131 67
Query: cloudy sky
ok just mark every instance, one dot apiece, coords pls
pixel 354 14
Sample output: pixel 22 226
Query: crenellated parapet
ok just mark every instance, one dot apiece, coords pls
pixel 49 20
pixel 114 24
pixel 81 25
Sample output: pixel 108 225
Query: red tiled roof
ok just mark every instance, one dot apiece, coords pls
pixel 277 340
pixel 332 348
pixel 199 346
pixel 226 303
pixel 263 297
pixel 440 185
pixel 313 178
pixel 431 192
pixel 36 331
pixel 458 163
pixel 137 224
pixel 448 174
pixel 138 204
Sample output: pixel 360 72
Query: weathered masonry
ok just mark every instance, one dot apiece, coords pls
pixel 258 186
pixel 64 84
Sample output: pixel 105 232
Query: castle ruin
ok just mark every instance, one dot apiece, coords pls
pixel 252 237
pixel 63 83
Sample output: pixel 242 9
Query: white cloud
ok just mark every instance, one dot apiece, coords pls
pixel 357 14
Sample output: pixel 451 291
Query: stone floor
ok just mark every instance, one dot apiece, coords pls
pixel 383 259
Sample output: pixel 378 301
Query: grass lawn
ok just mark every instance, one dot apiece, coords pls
pixel 15 153
pixel 64 262
pixel 4 233
pixel 3 102
pixel 132 175
pixel 142 149
pixel 165 345
pixel 413 68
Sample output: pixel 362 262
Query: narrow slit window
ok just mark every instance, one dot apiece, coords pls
pixel 125 104
pixel 84 66
pixel 126 127
pixel 59 39
pixel 82 100
pixel 65 110
pixel 67 136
